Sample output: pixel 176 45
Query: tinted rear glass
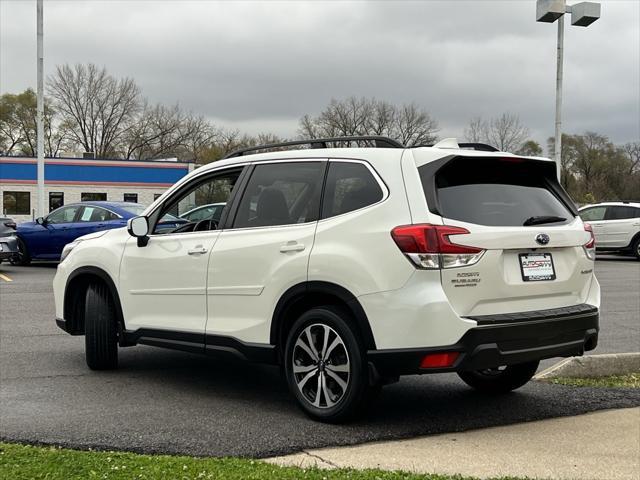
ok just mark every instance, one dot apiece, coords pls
pixel 497 192
pixel 621 213
pixel 350 186
pixel 281 194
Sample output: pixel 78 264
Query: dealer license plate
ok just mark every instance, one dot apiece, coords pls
pixel 537 267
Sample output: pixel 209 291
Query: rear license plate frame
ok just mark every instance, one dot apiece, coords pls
pixel 544 276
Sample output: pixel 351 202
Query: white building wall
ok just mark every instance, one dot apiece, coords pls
pixel 72 194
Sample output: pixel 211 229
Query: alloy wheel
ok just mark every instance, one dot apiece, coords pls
pixel 321 366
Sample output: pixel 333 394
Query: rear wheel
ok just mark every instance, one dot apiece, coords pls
pixel 101 330
pixel 325 365
pixel 501 379
pixel 21 258
pixel 636 248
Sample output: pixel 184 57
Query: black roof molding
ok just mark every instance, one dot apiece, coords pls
pixel 483 147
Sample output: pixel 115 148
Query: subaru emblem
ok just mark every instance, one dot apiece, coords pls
pixel 542 238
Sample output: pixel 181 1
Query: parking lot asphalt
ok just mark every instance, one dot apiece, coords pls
pixel 174 402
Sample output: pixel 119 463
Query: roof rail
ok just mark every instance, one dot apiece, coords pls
pixel 378 141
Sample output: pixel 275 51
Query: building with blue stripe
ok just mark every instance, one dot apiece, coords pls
pixel 69 180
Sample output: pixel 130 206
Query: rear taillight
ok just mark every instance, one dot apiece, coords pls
pixel 10 225
pixel 590 246
pixel 429 246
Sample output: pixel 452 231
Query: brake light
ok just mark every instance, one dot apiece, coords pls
pixel 429 246
pixel 10 225
pixel 439 360
pixel 590 246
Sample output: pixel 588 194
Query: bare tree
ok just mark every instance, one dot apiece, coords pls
pixel 476 131
pixel 632 152
pixel 413 126
pixel 505 132
pixel 157 131
pixel 408 124
pixel 98 108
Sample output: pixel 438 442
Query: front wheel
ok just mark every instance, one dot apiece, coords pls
pixel 100 329
pixel 501 379
pixel 325 366
pixel 636 249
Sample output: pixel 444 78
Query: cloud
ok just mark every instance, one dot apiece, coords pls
pixel 260 65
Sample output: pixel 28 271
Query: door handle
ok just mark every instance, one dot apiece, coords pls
pixel 199 250
pixel 292 247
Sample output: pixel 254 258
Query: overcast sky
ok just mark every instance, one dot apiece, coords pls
pixel 260 65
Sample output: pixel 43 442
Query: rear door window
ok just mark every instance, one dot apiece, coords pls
pixel 497 192
pixel 350 186
pixel 281 194
pixel 96 214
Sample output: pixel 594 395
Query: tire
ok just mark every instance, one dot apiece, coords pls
pixel 504 380
pixel 101 329
pixel 636 248
pixel 341 374
pixel 22 258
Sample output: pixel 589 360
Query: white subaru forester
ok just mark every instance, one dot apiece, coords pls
pixel 348 267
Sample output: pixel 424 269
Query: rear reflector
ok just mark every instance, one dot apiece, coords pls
pixel 439 360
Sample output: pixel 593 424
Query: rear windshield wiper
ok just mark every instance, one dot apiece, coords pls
pixel 539 220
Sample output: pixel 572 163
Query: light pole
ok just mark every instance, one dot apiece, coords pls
pixel 582 15
pixel 40 111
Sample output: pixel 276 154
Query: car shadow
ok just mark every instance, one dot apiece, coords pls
pixel 417 405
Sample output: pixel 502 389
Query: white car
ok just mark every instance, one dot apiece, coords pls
pixel 616 226
pixel 349 267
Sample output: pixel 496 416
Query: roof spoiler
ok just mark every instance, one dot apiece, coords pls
pixel 452 143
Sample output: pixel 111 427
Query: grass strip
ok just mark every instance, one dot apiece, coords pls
pixel 19 462
pixel 631 380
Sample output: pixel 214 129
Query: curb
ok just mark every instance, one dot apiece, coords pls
pixel 593 366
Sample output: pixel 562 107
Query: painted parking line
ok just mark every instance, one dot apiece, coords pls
pixel 5 278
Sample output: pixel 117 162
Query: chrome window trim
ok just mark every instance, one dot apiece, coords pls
pixel 385 191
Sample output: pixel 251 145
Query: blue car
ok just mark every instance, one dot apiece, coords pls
pixel 45 238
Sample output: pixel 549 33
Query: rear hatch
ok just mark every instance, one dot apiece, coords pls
pixel 531 242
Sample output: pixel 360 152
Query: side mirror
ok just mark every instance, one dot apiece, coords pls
pixel 139 227
pixel 40 221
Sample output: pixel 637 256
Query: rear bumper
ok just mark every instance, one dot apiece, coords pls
pixel 505 339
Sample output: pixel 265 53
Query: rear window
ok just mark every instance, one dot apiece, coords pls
pixel 350 186
pixel 497 192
